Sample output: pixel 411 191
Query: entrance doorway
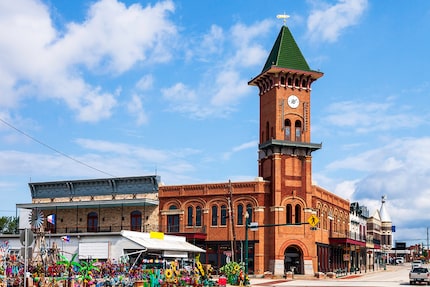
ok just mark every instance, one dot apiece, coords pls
pixel 293 260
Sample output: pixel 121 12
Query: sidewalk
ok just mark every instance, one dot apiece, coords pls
pixel 260 281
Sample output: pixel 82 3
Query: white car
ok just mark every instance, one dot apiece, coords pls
pixel 415 264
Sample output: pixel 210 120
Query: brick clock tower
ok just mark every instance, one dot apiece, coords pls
pixel 285 147
pixel 285 138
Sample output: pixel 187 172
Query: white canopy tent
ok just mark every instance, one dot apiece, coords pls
pixel 169 245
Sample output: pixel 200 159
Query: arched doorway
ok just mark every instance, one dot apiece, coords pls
pixel 293 259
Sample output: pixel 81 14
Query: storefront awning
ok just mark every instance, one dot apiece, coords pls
pixel 165 243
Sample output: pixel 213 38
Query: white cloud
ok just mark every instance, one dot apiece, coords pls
pixel 244 146
pixel 326 23
pixel 135 107
pixel 223 84
pixel 39 61
pixel 145 83
pixel 366 117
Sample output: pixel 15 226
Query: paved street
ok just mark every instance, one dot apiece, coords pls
pixel 393 276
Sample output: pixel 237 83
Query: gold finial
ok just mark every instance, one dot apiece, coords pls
pixel 284 17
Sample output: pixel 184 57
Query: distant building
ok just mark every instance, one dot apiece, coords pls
pixel 386 226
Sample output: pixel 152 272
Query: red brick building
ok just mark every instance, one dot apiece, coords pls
pixel 297 220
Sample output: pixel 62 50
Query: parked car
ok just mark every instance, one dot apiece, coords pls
pixel 416 263
pixel 419 275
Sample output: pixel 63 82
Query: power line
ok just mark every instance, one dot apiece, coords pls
pixel 54 149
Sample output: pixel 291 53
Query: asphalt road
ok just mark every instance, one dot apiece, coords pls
pixel 393 276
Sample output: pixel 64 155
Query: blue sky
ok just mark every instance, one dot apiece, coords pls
pixel 95 89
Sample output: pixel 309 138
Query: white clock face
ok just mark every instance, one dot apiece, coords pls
pixel 293 101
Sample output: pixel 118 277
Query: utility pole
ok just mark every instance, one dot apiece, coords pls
pixel 427 257
pixel 231 216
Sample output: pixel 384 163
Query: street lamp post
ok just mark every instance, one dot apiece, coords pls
pixel 246 243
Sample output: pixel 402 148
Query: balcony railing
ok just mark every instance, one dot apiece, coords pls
pixel 351 235
pixel 183 229
pixel 102 228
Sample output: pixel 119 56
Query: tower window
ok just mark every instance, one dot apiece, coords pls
pixel 289 214
pixel 287 127
pixel 283 81
pixel 298 127
pixel 297 83
pixel 298 213
pixel 290 81
pixel 267 131
pixel 304 84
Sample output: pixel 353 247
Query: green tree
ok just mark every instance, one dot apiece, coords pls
pixel 9 224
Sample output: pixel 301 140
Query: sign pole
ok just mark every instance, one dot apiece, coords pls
pixel 246 243
pixel 25 256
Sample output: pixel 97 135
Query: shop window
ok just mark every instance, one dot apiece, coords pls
pixel 92 222
pixel 136 220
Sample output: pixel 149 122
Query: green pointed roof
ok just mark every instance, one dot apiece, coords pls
pixel 286 54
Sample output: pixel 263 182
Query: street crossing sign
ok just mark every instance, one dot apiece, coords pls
pixel 313 220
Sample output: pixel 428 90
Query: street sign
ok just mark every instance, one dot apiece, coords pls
pixel 29 239
pixel 313 220
pixel 253 226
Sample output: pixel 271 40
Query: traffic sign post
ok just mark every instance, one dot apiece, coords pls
pixel 313 220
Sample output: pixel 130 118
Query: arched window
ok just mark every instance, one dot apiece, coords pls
pixel 239 214
pixel 223 215
pixel 298 213
pixel 249 211
pixel 173 220
pixel 92 222
pixel 198 216
pixel 304 84
pixel 136 220
pixel 283 80
pixel 214 215
pixel 190 216
pixel 289 214
pixel 298 127
pixel 297 83
pixel 290 81
pixel 50 223
pixel 287 127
